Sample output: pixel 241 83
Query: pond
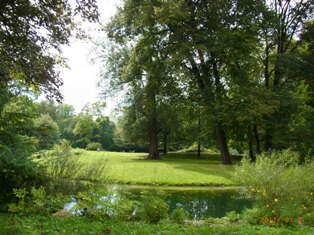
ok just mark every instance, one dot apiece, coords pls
pixel 203 203
pixel 199 203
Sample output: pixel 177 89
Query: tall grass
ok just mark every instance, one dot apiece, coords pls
pixel 281 188
pixel 68 173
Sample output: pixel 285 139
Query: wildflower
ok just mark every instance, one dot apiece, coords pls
pixel 276 200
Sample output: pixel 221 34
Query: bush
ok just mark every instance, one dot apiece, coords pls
pixel 62 171
pixel 152 208
pixel 99 204
pixel 63 149
pixel 35 201
pixel 279 187
pixel 94 146
pixel 67 173
pixel 17 171
pixel 178 215
pixel 232 216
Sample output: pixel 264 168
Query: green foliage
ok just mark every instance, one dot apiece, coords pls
pixel 67 171
pixel 178 215
pixel 39 224
pixel 152 207
pixel 17 171
pixel 233 216
pixel 100 204
pixel 63 149
pixel 254 215
pixel 84 131
pixel 278 186
pixel 94 146
pixel 47 131
pixel 31 60
pixel 62 171
pixel 35 201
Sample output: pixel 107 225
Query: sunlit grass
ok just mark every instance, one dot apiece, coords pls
pixel 171 169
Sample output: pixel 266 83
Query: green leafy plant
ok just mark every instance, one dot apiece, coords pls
pixel 152 207
pixel 17 171
pixel 178 215
pixel 101 204
pixel 63 149
pixel 232 216
pixel 279 186
pixel 94 146
pixel 35 201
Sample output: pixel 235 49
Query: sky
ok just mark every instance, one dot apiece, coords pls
pixel 80 80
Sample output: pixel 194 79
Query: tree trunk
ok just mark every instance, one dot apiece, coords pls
pixel 268 140
pixel 153 152
pixel 251 152
pixel 165 142
pixel 199 133
pixel 199 149
pixel 257 140
pixel 225 155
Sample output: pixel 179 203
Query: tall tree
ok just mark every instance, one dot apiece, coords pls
pixel 283 21
pixel 30 32
pixel 145 69
pixel 215 43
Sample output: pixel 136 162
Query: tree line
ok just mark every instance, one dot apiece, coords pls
pixel 241 71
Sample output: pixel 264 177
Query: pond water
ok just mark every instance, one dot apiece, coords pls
pixel 198 203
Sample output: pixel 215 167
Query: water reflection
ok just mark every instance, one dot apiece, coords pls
pixel 199 204
pixel 206 203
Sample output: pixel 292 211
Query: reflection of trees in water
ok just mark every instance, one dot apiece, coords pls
pixel 198 208
pixel 203 204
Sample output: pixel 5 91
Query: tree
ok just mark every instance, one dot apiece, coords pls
pixel 283 21
pixel 144 71
pixel 30 32
pixel 62 114
pixel 215 43
pixel 47 131
pixel 84 131
pixel 105 132
pixel 66 120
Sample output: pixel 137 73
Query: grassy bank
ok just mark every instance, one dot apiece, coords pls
pixel 25 225
pixel 174 169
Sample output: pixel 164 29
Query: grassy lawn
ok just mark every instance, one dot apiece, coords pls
pixel 174 169
pixel 36 224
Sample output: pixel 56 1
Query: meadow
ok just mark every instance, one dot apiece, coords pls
pixel 174 169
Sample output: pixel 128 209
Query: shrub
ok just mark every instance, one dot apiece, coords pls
pixel 94 146
pixel 63 149
pixel 35 201
pixel 152 208
pixel 178 215
pixel 68 172
pixel 17 171
pixel 232 216
pixel 62 172
pixel 99 204
pixel 278 186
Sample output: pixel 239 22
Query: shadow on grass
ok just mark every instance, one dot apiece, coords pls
pixel 207 164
